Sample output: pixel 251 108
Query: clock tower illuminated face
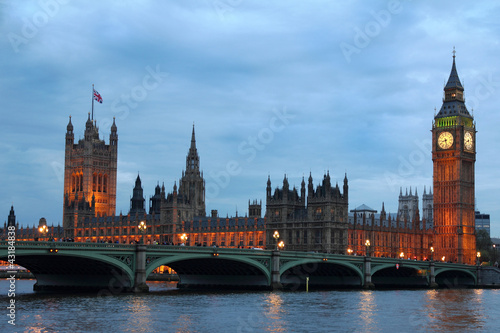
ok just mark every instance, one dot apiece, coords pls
pixel 469 141
pixel 445 140
pixel 453 157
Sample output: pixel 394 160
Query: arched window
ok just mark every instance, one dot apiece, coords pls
pixel 73 183
pixel 81 181
pixel 105 183
pixel 94 182
pixel 99 183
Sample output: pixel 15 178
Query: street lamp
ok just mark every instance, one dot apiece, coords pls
pixel 432 253
pixel 276 235
pixel 478 255
pixel 281 245
pixel 349 251
pixel 401 255
pixel 367 244
pixel 184 239
pixel 43 230
pixel 142 228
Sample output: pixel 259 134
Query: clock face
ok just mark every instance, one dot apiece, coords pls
pixel 468 141
pixel 445 140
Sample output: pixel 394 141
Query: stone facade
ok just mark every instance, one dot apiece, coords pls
pixel 402 234
pixel 313 222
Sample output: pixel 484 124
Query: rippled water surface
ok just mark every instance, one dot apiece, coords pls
pixel 169 310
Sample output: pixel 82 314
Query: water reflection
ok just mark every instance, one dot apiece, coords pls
pixel 451 309
pixel 274 312
pixel 138 315
pixel 456 310
pixel 367 309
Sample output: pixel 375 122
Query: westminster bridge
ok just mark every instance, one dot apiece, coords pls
pixel 118 267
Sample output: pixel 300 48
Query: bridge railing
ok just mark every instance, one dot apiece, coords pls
pixel 72 245
pixel 205 249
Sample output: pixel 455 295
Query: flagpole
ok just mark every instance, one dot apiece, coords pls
pixel 92 101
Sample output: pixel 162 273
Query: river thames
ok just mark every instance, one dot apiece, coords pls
pixel 166 309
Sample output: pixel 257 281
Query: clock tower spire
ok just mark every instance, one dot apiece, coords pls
pixel 453 156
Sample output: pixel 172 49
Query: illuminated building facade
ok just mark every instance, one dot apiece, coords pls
pixel 172 218
pixel 398 235
pixel 309 219
pixel 453 156
pixel 89 175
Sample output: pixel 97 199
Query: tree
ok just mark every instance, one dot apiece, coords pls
pixel 483 240
pixel 484 244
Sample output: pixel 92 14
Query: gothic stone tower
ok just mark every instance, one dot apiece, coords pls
pixel 453 156
pixel 192 184
pixel 89 174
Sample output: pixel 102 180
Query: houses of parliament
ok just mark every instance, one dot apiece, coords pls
pixel 309 218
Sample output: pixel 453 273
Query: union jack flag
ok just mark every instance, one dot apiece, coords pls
pixel 97 96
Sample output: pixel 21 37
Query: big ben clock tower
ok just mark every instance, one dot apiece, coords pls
pixel 453 157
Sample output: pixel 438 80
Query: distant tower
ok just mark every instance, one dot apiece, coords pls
pixel 192 184
pixel 137 200
pixel 89 174
pixel 11 220
pixel 453 156
pixel 427 208
pixel 408 206
pixel 255 209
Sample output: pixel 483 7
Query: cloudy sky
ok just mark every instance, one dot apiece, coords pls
pixel 273 88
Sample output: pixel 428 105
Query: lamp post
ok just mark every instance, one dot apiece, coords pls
pixel 478 255
pixel 276 235
pixel 142 229
pixel 432 253
pixel 184 238
pixel 281 245
pixel 401 255
pixel 43 230
pixel 367 244
pixel 349 251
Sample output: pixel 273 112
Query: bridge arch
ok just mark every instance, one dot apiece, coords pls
pixel 321 273
pixel 70 270
pixel 404 274
pixel 206 269
pixel 454 277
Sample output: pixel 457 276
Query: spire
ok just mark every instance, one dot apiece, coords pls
pixel 192 160
pixel 453 101
pixel 69 128
pixel 113 127
pixel 453 80
pixel 193 140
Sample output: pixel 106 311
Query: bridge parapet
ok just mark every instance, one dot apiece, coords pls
pixel 69 245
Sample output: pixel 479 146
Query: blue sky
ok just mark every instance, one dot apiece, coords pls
pixel 273 88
